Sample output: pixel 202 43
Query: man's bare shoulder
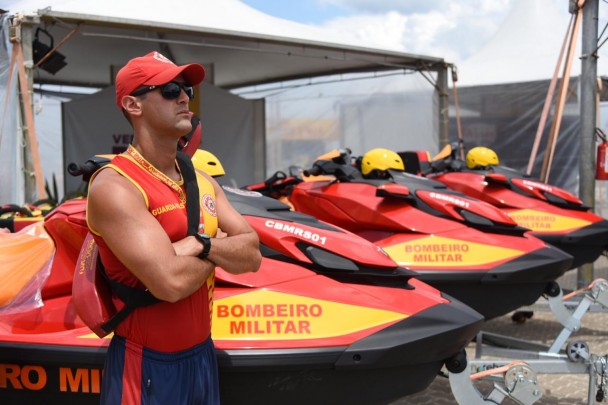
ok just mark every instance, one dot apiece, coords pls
pixel 109 184
pixel 111 194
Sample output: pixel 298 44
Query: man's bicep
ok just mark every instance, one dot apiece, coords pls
pixel 120 216
pixel 229 219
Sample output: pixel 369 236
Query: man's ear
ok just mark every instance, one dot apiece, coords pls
pixel 131 105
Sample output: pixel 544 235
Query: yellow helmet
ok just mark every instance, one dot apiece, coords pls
pixel 380 159
pixel 207 162
pixel 481 156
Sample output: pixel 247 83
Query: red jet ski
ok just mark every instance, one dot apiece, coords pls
pixel 443 236
pixel 294 237
pixel 285 334
pixel 552 214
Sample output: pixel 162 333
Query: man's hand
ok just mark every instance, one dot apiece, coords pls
pixel 236 246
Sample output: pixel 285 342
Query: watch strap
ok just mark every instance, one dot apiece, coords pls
pixel 205 240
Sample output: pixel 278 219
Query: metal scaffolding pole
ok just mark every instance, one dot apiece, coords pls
pixel 588 114
pixel 444 106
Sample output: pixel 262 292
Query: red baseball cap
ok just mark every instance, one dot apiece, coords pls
pixel 153 69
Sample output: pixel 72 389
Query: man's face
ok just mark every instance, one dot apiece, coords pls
pixel 171 115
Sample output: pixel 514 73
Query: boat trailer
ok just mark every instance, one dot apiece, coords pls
pixel 519 378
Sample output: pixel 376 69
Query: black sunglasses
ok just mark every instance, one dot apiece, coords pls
pixel 169 91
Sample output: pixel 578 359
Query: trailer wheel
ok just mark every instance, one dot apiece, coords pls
pixel 577 351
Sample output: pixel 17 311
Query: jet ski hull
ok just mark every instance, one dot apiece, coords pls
pixel 585 245
pixel 500 288
pixel 347 374
pixel 493 273
pixel 399 360
pixel 492 291
pixel 581 233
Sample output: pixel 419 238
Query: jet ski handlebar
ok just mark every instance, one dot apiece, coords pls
pixel 87 168
pixel 341 171
pixel 331 163
pixel 446 164
pixel 278 185
pixel 314 171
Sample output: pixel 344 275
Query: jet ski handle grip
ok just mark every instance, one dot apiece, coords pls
pixel 314 171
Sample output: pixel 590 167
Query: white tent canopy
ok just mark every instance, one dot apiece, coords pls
pixel 243 45
pixel 526 47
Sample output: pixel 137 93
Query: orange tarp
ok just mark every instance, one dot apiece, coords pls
pixel 22 256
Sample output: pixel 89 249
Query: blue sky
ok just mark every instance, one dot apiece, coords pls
pixel 304 11
pixel 319 11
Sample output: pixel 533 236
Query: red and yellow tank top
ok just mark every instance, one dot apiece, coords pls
pixel 165 326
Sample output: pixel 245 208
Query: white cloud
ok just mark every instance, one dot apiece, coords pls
pixel 449 29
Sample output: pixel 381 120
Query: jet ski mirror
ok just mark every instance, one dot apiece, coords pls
pixel 393 190
pixel 295 171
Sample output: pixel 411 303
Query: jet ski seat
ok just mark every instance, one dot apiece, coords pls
pixel 416 162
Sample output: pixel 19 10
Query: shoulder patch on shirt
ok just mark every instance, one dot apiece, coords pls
pixel 209 204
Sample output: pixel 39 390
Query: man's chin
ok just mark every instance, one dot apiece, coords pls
pixel 185 126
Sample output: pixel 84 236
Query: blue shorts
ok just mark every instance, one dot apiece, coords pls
pixel 137 375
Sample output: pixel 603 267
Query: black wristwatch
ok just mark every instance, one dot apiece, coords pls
pixel 205 240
